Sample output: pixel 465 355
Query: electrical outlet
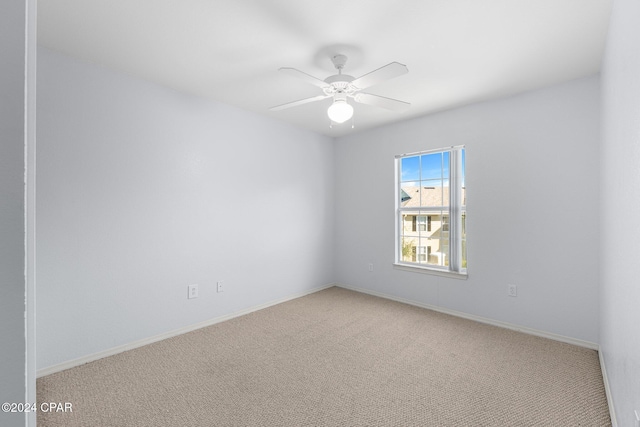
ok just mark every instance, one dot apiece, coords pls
pixel 371 267
pixel 192 291
pixel 512 290
pixel 220 287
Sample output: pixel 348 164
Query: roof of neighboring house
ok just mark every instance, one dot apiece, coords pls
pixel 415 197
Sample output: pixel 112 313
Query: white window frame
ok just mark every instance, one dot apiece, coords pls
pixel 455 212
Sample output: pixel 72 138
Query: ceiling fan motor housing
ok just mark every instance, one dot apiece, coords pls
pixel 340 83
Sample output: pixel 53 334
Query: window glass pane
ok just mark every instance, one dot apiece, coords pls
pixel 464 225
pixel 464 240
pixel 408 227
pixel 410 195
pixel 438 249
pixel 432 183
pixel 408 249
pixel 423 240
pixel 463 169
pixel 464 254
pixel 445 166
pixel 443 255
pixel 419 251
pixel 431 166
pixel 440 239
pixel 431 195
pixel 410 169
pixel 404 197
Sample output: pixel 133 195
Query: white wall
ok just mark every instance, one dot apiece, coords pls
pixel 620 210
pixel 143 190
pixel 532 192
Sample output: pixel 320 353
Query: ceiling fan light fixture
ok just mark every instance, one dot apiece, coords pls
pixel 340 111
pixel 342 86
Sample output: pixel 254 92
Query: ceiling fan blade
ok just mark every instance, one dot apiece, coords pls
pixel 380 75
pixel 304 76
pixel 381 101
pixel 299 102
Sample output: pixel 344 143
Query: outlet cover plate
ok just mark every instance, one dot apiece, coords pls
pixel 220 286
pixel 512 290
pixel 192 291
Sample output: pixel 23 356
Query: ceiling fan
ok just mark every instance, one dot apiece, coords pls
pixel 340 87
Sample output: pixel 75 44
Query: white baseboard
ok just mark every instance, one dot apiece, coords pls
pixel 130 346
pixel 607 390
pixel 506 325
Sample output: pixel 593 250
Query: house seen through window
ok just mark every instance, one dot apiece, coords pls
pixel 431 210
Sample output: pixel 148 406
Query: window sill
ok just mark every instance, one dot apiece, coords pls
pixel 429 270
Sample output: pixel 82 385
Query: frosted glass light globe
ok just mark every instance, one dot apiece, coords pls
pixel 340 111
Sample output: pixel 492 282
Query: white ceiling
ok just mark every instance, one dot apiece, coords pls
pixel 457 51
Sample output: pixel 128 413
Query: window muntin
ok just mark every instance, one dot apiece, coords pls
pixel 431 210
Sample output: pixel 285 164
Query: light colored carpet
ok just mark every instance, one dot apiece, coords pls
pixel 336 358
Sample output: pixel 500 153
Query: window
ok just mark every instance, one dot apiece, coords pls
pixel 431 210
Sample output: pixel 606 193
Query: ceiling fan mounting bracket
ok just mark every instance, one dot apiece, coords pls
pixel 339 61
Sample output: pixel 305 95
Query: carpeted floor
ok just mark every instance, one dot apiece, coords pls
pixel 336 358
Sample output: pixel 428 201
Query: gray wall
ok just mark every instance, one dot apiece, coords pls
pixel 532 209
pixel 12 210
pixel 143 190
pixel 620 210
pixel 17 24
